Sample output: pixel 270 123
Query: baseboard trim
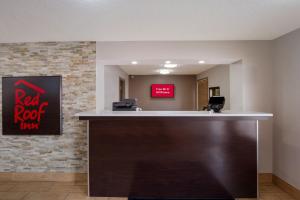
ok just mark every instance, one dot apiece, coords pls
pixel 48 176
pixel 291 190
pixel 264 178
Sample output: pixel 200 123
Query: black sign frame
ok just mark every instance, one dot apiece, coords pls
pixel 32 105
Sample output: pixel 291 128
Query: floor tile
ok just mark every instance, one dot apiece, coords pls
pixel 45 196
pixel 69 188
pixel 6 187
pixel 284 196
pixel 7 182
pixel 83 196
pixel 32 187
pixel 12 195
pixel 70 183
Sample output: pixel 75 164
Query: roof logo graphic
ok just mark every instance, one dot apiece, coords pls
pixel 30 85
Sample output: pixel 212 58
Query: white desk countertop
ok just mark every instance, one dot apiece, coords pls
pixel 107 113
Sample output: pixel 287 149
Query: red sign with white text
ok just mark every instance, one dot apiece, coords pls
pixel 162 90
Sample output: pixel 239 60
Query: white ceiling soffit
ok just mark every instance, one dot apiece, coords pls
pixel 160 62
pixel 146 20
pixel 153 69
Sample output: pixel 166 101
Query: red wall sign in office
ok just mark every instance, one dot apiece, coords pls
pixel 31 105
pixel 162 90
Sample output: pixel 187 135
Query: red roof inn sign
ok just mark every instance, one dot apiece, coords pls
pixel 31 105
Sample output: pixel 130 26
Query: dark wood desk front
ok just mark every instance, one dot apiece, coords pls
pixel 173 157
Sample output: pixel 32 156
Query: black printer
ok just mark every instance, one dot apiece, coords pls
pixel 216 103
pixel 125 105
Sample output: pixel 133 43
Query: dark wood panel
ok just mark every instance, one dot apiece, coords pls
pixel 167 157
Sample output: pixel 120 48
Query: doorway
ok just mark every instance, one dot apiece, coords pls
pixel 202 91
pixel 121 89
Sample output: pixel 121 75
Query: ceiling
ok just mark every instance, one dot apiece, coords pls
pixel 192 69
pixel 146 20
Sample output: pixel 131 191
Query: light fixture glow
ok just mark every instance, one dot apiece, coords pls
pixel 164 71
pixel 134 62
pixel 168 62
pixel 170 65
pixel 201 62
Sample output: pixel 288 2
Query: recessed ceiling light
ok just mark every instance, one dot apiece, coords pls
pixel 164 71
pixel 168 62
pixel 170 65
pixel 134 62
pixel 201 62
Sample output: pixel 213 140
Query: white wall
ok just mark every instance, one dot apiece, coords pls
pixel 256 57
pixel 236 86
pixel 287 99
pixel 218 76
pixel 112 75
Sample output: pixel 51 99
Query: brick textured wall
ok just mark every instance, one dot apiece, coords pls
pixel 76 62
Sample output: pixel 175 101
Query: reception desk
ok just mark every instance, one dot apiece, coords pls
pixel 173 154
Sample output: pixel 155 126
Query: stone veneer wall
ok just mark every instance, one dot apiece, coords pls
pixel 76 62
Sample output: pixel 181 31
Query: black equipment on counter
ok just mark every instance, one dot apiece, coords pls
pixel 125 105
pixel 216 103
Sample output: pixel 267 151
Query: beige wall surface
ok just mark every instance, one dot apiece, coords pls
pixel 287 99
pixel 112 75
pixel 218 76
pixel 257 83
pixel 185 92
pixel 76 63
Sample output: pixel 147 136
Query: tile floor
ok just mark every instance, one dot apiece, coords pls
pixel 77 191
